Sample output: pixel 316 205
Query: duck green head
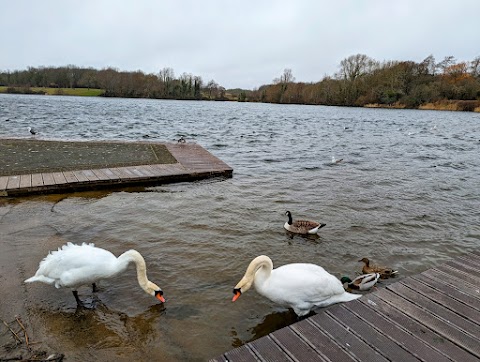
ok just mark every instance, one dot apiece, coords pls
pixel 345 280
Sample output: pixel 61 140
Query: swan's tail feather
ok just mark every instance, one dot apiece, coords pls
pixel 40 278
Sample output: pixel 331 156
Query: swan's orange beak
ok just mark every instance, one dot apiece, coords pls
pixel 159 296
pixel 237 293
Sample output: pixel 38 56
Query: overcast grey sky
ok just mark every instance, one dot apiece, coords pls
pixel 236 43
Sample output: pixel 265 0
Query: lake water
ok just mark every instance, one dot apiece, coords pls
pixel 405 195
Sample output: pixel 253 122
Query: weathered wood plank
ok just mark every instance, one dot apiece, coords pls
pixel 48 179
pixel 426 285
pixel 464 267
pixel 417 329
pixel 430 305
pixel 384 345
pixel 89 175
pixel 268 350
pixel 37 180
pixel 3 182
pixel 13 182
pixel 454 282
pixel 348 340
pixel 294 346
pixel 80 176
pixel 241 354
pixel 59 178
pixel 25 181
pixel 70 177
pixel 387 328
pixel 108 174
pixel 458 274
pixel 432 321
pixel 321 342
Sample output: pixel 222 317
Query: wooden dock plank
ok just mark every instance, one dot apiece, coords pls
pixel 464 267
pixel 13 182
pixel 445 300
pixel 439 325
pixel 80 176
pixel 321 342
pixel 37 180
pixel 25 181
pixel 417 329
pixel 295 347
pixel 348 340
pixel 454 282
pixel 268 350
pixel 438 310
pixel 447 269
pixel 241 354
pixel 380 342
pixel 447 289
pixel 59 178
pixel 48 179
pixel 385 326
pixel 70 177
pixel 3 182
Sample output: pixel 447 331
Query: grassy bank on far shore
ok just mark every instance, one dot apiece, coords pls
pixel 84 92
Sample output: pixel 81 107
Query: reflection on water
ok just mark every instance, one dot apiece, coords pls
pixel 405 195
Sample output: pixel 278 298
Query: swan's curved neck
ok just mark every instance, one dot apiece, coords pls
pixel 260 269
pixel 133 256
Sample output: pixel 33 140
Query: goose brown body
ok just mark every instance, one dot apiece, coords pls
pixel 302 226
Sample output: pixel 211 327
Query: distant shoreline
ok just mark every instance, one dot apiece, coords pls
pixel 443 105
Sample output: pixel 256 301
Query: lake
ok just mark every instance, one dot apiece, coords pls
pixel 405 195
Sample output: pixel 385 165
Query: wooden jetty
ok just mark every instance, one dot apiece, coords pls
pixel 433 316
pixel 189 162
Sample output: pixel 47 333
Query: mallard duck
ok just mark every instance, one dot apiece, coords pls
pixel 362 282
pixel 299 286
pixel 384 272
pixel 301 226
pixel 72 266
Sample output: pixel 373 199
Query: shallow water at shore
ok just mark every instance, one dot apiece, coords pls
pixel 406 195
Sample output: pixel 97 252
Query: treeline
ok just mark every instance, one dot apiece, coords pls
pixel 115 83
pixel 360 81
pixel 363 81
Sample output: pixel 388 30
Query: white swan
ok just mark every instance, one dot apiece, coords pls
pixel 72 266
pixel 299 286
pixel 301 226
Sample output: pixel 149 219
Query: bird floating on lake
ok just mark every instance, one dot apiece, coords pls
pixel 362 282
pixel 301 226
pixel 300 286
pixel 72 266
pixel 32 131
pixel 181 140
pixel 334 160
pixel 384 272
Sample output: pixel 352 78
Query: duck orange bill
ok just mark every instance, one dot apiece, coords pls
pixel 160 298
pixel 237 295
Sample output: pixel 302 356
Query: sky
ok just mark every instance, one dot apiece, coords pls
pixel 238 44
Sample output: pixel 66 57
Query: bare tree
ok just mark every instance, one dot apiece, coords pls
pixel 356 66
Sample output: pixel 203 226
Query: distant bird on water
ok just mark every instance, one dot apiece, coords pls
pixel 181 140
pixel 72 266
pixel 301 226
pixel 334 160
pixel 32 131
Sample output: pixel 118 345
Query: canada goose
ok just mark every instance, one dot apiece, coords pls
pixel 301 226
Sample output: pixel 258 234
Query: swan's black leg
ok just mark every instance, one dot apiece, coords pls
pixel 75 294
pixel 94 288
